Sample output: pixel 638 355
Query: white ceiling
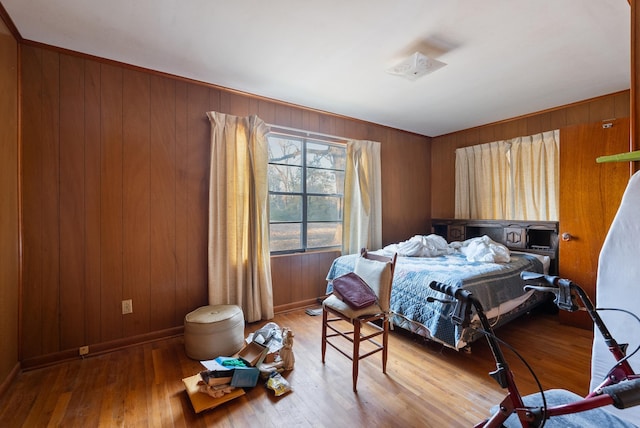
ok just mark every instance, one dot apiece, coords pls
pixel 504 58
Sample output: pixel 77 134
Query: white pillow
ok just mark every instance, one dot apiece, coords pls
pixel 377 275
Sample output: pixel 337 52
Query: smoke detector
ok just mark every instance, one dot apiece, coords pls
pixel 415 66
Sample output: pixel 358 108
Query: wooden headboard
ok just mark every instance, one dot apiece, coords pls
pixel 539 237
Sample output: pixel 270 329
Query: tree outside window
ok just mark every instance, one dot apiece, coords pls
pixel 306 190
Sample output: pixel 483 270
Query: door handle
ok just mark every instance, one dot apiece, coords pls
pixel 567 236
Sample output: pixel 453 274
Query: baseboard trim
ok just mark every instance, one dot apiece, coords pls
pixel 99 348
pixel 295 305
pixel 4 386
pixel 114 345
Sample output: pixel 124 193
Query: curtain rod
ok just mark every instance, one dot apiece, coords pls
pixel 307 133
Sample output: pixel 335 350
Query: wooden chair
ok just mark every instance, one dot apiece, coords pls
pixel 377 272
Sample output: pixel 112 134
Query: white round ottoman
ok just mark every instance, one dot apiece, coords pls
pixel 213 331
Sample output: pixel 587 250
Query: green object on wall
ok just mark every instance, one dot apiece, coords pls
pixel 620 157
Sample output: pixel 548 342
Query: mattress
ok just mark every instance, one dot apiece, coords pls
pixel 497 286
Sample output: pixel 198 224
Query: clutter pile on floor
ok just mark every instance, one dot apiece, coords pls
pixel 266 354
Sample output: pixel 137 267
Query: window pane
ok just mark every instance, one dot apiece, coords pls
pixel 284 178
pixel 328 156
pixel 285 208
pixel 306 188
pixel 283 150
pixel 285 236
pixel 324 234
pixel 324 208
pixel 325 181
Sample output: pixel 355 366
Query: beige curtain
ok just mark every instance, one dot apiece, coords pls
pixel 535 164
pixel 482 177
pixel 362 223
pixel 239 259
pixel 513 179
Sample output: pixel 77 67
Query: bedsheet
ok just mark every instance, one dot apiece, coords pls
pixel 498 286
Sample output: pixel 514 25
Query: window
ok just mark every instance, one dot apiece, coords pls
pixel 306 190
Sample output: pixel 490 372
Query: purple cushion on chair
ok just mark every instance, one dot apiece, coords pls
pixel 352 290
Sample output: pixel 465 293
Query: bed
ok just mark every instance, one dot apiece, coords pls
pixel 497 285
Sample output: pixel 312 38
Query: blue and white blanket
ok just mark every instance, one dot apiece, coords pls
pixel 498 286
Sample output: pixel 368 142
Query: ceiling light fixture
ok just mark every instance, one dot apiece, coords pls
pixel 415 66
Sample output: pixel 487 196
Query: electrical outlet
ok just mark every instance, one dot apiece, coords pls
pixel 127 306
pixel 83 350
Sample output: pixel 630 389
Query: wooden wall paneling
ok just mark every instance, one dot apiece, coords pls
pixel 315 269
pixel 292 272
pixel 92 201
pixel 236 104
pixel 487 134
pixel 32 319
pixel 198 159
pixel 340 128
pixel 406 161
pixel 300 278
pixel 601 109
pixel 116 198
pixel 254 106
pixel 470 136
pixel 280 276
pixel 311 121
pixel 72 190
pixel 328 125
pixel 380 134
pixel 545 123
pixel 217 102
pixel 9 208
pixel 220 99
pixel 296 119
pixel 182 213
pixel 267 111
pixel 443 155
pixel 534 124
pixel 557 119
pixel 111 202
pixel 50 201
pixel 356 129
pixel 163 203
pixel 282 115
pixel 622 104
pixel 511 129
pixel 578 113
pixel 136 200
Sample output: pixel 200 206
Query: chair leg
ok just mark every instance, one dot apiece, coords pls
pixel 385 342
pixel 356 352
pixel 324 333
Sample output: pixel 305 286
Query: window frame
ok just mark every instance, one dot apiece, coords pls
pixel 306 138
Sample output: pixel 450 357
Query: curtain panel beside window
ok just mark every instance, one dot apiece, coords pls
pixel 238 257
pixel 362 224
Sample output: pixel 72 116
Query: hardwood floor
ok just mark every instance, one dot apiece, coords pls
pixel 425 385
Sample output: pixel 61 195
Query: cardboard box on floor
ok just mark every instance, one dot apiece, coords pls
pixel 253 353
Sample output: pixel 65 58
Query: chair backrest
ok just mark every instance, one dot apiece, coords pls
pixel 618 286
pixel 377 271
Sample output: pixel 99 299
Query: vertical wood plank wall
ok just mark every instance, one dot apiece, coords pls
pixel 9 242
pixel 443 147
pixel 115 189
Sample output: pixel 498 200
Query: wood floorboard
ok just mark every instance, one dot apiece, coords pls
pixel 426 385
